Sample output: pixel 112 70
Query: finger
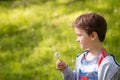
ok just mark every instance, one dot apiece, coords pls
pixel 60 67
pixel 59 62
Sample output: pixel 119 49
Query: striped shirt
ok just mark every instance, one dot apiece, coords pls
pixel 88 69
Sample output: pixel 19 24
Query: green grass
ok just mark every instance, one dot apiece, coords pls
pixel 30 33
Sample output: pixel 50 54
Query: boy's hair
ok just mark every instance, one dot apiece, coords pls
pixel 92 22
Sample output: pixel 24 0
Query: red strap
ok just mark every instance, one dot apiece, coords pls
pixel 103 54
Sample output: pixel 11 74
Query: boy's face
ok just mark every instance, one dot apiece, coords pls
pixel 83 38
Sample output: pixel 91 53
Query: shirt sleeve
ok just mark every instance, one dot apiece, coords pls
pixel 68 74
pixel 107 68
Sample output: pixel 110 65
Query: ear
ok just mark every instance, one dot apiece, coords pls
pixel 93 35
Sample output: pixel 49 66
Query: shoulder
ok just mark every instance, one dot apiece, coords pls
pixel 82 53
pixel 110 59
pixel 114 59
pixel 79 57
pixel 109 62
pixel 108 68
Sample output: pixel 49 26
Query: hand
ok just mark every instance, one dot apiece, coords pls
pixel 60 65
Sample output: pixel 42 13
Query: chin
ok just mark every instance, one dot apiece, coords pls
pixel 84 48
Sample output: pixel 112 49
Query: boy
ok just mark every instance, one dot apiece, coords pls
pixel 94 63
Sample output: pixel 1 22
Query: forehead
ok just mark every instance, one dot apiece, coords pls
pixel 79 31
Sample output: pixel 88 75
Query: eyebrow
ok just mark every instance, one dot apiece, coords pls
pixel 78 34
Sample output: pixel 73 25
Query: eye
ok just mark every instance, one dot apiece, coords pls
pixel 79 35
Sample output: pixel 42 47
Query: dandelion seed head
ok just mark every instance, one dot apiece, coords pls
pixel 57 54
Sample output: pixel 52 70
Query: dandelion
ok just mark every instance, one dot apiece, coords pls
pixel 57 54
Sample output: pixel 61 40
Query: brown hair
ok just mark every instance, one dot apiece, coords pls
pixel 92 22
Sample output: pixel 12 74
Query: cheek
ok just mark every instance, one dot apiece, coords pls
pixel 84 40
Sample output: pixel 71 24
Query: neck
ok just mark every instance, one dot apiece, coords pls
pixel 93 52
pixel 95 49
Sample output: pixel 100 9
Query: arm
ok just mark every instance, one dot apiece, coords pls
pixel 67 73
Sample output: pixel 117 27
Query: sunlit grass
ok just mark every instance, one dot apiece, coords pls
pixel 29 36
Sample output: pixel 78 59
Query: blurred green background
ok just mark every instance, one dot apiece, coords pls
pixel 31 31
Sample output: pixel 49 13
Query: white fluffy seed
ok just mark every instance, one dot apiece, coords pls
pixel 57 54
